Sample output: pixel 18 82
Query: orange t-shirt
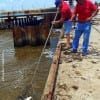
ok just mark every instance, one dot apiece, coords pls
pixel 65 11
pixel 84 10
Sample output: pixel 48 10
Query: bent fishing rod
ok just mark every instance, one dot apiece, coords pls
pixel 47 39
pixel 36 68
pixel 43 50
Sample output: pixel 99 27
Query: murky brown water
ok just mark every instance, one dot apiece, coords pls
pixel 17 66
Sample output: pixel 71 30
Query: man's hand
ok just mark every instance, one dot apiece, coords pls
pixel 89 19
pixel 53 22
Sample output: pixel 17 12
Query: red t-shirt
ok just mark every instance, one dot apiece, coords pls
pixel 84 10
pixel 65 11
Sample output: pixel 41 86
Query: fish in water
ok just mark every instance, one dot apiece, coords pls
pixel 28 98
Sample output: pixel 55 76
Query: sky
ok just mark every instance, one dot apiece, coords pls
pixel 11 5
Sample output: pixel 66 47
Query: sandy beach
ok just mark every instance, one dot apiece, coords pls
pixel 78 76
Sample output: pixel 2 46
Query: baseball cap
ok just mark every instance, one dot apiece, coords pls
pixel 57 2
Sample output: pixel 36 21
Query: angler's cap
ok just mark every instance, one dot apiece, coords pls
pixel 57 2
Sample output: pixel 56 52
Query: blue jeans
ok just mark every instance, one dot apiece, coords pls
pixel 67 27
pixel 85 29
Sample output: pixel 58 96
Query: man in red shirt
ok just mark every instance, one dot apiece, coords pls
pixel 85 10
pixel 66 14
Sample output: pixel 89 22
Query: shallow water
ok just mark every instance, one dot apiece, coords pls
pixel 17 66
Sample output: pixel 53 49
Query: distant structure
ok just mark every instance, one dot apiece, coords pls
pixel 29 27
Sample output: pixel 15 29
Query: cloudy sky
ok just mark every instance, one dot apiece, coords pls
pixel 9 5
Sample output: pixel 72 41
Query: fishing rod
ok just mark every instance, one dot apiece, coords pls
pixel 46 42
pixel 43 50
pixel 31 85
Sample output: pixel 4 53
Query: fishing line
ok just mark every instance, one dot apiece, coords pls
pixel 31 85
pixel 43 50
pixel 45 44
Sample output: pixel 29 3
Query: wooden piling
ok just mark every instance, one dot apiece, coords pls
pixel 32 32
pixel 18 36
pixel 44 27
pixel 50 84
pixel 44 31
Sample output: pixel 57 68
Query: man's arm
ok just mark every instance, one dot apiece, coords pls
pixel 93 15
pixel 58 21
pixel 73 16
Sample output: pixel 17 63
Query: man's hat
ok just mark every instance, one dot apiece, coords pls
pixel 57 2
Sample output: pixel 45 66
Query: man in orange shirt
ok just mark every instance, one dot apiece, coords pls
pixel 66 14
pixel 85 10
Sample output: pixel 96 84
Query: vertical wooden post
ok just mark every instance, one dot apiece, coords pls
pixel 18 36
